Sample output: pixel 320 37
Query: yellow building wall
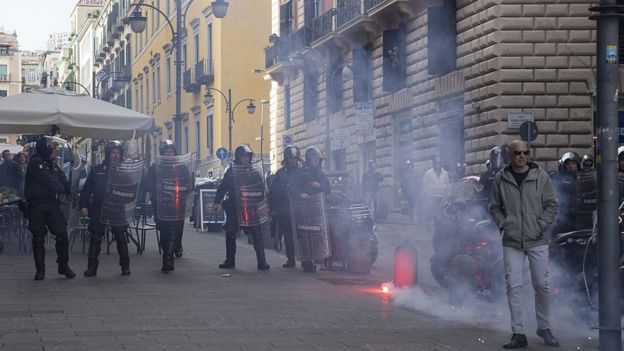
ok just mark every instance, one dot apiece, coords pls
pixel 238 43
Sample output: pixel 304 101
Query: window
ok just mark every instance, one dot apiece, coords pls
pixel 310 10
pixel 184 61
pixel 361 69
pixel 31 75
pixel 209 43
pixel 5 50
pixel 333 86
pixel 197 129
pixel 141 109
pixel 3 93
pixel 286 18
pixel 147 94
pixel 196 43
pixel 129 99
pixel 153 88
pixel 185 138
pixel 442 38
pixel 138 107
pixel 394 59
pixel 287 106
pixel 168 75
pixel 4 70
pixel 310 97
pixel 158 81
pixel 157 15
pixel 209 133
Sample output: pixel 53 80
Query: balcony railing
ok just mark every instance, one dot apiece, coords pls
pixel 323 25
pixel 5 77
pixel 300 38
pixel 189 85
pixel 347 10
pixel 369 4
pixel 204 72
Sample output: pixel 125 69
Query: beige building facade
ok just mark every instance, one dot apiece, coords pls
pixel 447 78
pixel 10 73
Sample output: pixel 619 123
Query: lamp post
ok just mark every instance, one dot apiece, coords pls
pixel 76 83
pixel 138 23
pixel 229 109
pixel 262 103
pixel 340 68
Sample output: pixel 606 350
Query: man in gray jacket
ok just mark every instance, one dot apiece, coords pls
pixel 523 204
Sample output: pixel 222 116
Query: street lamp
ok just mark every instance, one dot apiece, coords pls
pixel 348 66
pixel 229 109
pixel 262 103
pixel 138 23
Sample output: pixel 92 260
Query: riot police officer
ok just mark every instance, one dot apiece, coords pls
pixel 564 182
pixel 310 180
pixel 279 201
pixel 44 181
pixel 242 157
pixel 91 198
pixel 587 164
pixel 170 230
pixel 496 163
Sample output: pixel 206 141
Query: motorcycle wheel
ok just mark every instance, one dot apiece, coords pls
pixel 439 269
pixel 460 283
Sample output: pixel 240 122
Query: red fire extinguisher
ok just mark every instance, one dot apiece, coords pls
pixel 405 265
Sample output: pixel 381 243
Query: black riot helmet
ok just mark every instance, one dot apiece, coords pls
pixel 311 153
pixel 291 151
pixel 167 144
pixel 570 157
pixel 240 151
pixel 108 148
pixel 497 158
pixel 588 162
pixel 44 146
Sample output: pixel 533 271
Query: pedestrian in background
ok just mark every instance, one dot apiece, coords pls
pixel 10 172
pixel 371 181
pixel 523 204
pixel 434 185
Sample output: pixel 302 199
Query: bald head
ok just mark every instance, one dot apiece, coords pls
pixel 518 152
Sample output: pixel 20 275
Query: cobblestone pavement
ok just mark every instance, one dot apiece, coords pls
pixel 197 308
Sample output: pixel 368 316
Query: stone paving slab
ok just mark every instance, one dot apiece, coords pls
pixel 196 308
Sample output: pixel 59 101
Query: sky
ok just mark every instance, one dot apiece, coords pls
pixel 34 20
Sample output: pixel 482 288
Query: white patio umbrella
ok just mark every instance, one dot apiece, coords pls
pixel 56 110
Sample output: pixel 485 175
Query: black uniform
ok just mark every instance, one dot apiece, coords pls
pixel 170 231
pixel 226 187
pixel 279 201
pixel 44 181
pixel 304 178
pixel 565 186
pixel 91 197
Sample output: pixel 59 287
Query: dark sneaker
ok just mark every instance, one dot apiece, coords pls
pixel 90 272
pixel 125 271
pixel 178 252
pixel 63 269
pixel 263 266
pixel 549 338
pixel 517 341
pixel 289 264
pixel 227 264
pixel 40 274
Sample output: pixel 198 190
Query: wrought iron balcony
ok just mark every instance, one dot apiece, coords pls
pixel 204 72
pixel 369 4
pixel 300 38
pixel 188 83
pixel 347 10
pixel 323 25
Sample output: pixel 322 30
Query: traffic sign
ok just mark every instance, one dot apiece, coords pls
pixel 222 153
pixel 286 140
pixel 528 131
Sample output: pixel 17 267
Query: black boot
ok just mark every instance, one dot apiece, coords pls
pixel 230 251
pixel 259 248
pixel 290 263
pixel 549 338
pixel 517 341
pixel 92 263
pixel 179 251
pixel 124 256
pixel 168 246
pixel 62 252
pixel 38 248
pixel 167 264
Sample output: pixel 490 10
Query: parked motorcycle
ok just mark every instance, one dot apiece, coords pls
pixel 467 256
pixel 353 233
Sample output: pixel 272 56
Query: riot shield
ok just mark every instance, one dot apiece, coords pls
pixel 251 204
pixel 122 184
pixel 585 199
pixel 174 187
pixel 73 210
pixel 310 229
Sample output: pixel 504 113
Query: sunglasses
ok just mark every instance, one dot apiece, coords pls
pixel 525 153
